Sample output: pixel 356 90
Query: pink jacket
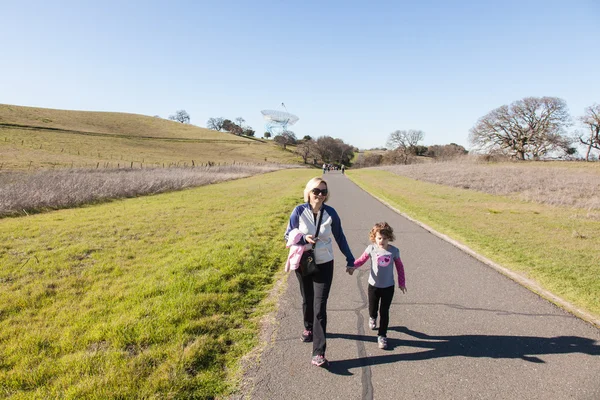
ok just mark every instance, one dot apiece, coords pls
pixel 296 250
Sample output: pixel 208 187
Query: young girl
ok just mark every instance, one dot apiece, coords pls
pixel 381 279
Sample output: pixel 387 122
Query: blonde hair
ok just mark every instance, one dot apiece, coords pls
pixel 313 183
pixel 384 230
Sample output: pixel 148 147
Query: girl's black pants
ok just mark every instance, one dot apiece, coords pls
pixel 380 300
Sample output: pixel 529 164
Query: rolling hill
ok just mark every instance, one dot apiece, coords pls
pixel 41 138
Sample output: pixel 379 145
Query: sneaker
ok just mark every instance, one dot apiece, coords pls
pixel 307 336
pixel 373 323
pixel 319 360
pixel 382 342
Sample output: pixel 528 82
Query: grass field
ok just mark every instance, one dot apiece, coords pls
pixel 36 138
pixel 559 247
pixel 152 297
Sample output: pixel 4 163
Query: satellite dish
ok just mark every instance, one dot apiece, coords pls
pixel 278 121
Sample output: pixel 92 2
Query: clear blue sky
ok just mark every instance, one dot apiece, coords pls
pixel 354 70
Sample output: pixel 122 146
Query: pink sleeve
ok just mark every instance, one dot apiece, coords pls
pixel 361 260
pixel 400 271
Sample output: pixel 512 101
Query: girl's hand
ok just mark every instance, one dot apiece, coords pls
pixel 402 288
pixel 309 239
pixel 350 270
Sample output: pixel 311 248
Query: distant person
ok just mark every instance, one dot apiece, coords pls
pixel 324 168
pixel 343 169
pixel 315 288
pixel 381 279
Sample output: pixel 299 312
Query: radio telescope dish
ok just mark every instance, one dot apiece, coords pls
pixel 277 122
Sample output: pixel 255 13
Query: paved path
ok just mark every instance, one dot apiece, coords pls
pixel 463 331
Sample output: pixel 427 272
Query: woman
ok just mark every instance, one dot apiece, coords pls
pixel 315 288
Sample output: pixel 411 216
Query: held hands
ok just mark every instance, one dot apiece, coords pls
pixel 350 270
pixel 402 288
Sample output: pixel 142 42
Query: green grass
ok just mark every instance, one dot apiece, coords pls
pixel 153 297
pixel 557 247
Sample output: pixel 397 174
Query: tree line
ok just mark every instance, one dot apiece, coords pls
pixel 530 128
pixel 324 149
pixel 224 124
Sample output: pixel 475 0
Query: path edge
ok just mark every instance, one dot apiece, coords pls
pixel 249 364
pixel 518 278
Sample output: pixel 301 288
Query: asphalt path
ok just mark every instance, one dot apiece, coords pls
pixel 462 331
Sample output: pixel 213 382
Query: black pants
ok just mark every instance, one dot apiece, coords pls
pixel 315 292
pixel 385 296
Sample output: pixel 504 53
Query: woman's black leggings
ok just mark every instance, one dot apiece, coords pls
pixel 315 292
pixel 385 295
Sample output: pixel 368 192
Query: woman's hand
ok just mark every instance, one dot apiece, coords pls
pixel 309 239
pixel 402 288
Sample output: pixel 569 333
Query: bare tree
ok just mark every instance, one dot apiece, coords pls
pixel 285 138
pixel 215 124
pixel 342 152
pixel 591 120
pixel 445 152
pixel 326 148
pixel 405 142
pixel 240 121
pixel 331 150
pixel 306 149
pixel 180 116
pixel 530 127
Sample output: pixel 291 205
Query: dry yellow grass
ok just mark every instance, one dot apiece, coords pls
pixel 23 193
pixel 36 138
pixel 567 184
pixel 110 123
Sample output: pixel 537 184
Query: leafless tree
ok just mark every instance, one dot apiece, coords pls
pixel 342 152
pixel 325 148
pixel 591 120
pixel 240 121
pixel 445 152
pixel 215 124
pixel 306 149
pixel 331 150
pixel 285 138
pixel 404 142
pixel 180 116
pixel 529 127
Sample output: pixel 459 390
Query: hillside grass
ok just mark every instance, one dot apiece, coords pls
pixel 36 138
pixel 107 123
pixel 152 297
pixel 559 247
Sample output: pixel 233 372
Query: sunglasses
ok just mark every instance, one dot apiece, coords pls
pixel 317 191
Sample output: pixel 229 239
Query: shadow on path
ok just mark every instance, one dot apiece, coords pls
pixel 491 346
pixel 495 311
